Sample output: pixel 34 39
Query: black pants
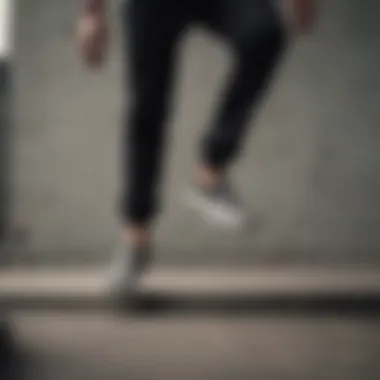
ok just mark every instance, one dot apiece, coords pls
pixel 152 30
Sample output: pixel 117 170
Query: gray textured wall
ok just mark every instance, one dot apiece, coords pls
pixel 310 169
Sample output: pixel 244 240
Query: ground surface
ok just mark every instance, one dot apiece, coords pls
pixel 248 347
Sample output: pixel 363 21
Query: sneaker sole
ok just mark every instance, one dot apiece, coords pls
pixel 213 213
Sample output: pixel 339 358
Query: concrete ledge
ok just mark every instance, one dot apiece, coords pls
pixel 194 289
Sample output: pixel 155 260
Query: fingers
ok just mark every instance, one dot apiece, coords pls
pixel 92 42
pixel 93 52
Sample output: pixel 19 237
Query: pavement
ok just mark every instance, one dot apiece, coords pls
pixel 309 170
pixel 265 347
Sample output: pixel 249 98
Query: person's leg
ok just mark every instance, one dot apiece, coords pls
pixel 150 29
pixel 254 31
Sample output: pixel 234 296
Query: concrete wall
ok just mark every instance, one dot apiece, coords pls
pixel 310 169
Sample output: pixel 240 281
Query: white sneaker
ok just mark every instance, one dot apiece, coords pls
pixel 126 268
pixel 219 205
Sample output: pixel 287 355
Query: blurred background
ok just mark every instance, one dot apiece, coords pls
pixel 310 173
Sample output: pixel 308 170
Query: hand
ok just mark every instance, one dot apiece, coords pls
pixel 304 15
pixel 92 37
